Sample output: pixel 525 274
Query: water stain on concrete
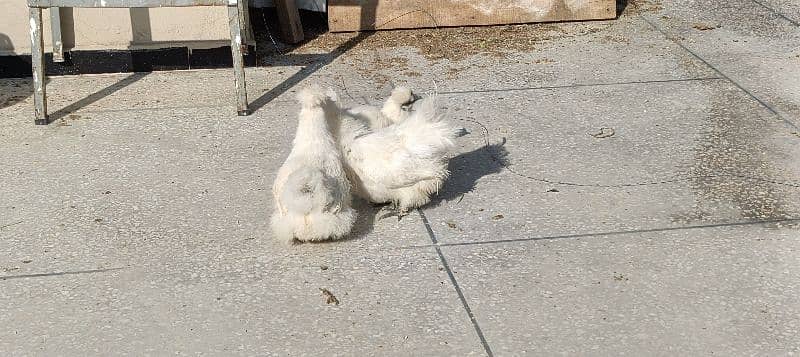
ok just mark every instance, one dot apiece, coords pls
pixel 732 176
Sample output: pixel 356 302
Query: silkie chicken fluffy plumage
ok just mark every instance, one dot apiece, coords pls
pixel 398 156
pixel 391 113
pixel 311 190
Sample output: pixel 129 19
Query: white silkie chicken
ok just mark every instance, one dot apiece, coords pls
pixel 311 190
pixel 402 163
pixel 391 113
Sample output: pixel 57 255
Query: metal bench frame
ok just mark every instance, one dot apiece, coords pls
pixel 236 10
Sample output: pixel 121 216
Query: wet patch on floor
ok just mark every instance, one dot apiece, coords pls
pixel 732 175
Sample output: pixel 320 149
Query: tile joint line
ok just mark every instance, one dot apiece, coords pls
pixel 453 281
pixel 776 12
pixel 603 234
pixel 582 85
pixel 767 106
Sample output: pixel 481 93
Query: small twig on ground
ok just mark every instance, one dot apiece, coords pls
pixel 704 27
pixel 603 133
pixel 11 224
pixel 329 297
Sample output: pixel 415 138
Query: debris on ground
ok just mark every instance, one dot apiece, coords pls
pixel 452 225
pixel 604 133
pixel 498 217
pixel 323 267
pixel 638 7
pixel 10 224
pixel 553 190
pixel 453 44
pixel 329 297
pixel 704 27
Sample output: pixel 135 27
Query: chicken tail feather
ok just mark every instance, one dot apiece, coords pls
pixel 304 190
pixel 425 132
pixel 313 96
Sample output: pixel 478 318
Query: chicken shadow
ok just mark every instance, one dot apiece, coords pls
pixel 467 168
pixel 365 222
pixel 465 171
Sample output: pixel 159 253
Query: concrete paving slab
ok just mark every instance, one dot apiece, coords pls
pixel 157 173
pixel 624 50
pixel 561 54
pixel 694 152
pixel 721 291
pixel 787 9
pixel 146 91
pixel 136 223
pixel 262 300
pixel 146 232
pixel 749 43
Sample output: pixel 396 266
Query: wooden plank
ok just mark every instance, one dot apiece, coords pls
pixel 128 3
pixel 289 19
pixel 355 15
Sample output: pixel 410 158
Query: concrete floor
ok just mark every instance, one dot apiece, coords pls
pixel 136 223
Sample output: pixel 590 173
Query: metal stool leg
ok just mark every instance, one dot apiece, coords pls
pixel 55 27
pixel 251 36
pixel 37 62
pixel 242 10
pixel 238 62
